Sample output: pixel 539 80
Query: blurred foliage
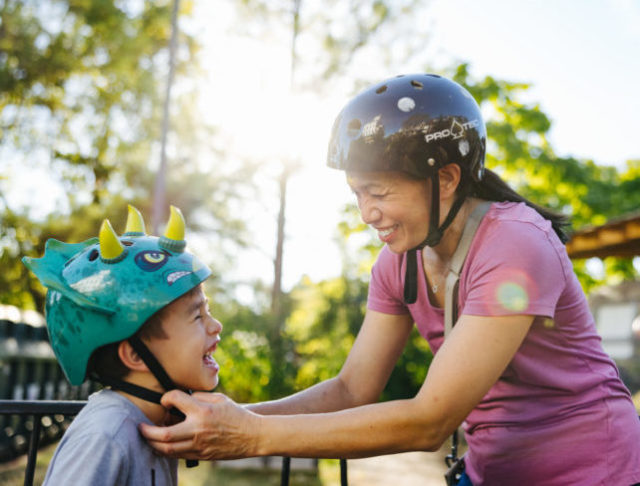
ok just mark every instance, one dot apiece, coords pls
pixel 335 38
pixel 81 86
pixel 518 149
pixel 81 90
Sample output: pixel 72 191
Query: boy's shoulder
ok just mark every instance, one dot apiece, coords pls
pixel 109 414
pixel 103 446
pixel 109 402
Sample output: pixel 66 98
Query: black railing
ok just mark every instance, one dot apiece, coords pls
pixel 30 372
pixel 37 412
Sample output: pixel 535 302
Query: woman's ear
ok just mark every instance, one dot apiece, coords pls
pixel 449 176
pixel 130 358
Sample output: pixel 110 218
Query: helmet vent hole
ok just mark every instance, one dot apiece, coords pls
pixel 93 255
pixel 127 242
pixel 353 128
pixel 416 84
pixel 381 89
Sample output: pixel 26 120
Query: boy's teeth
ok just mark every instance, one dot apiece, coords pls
pixel 386 232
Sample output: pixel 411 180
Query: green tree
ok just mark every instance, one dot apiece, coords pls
pixel 518 149
pixel 81 90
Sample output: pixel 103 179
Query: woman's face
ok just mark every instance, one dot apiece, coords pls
pixel 396 206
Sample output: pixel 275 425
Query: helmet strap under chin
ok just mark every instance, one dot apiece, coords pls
pixel 157 371
pixel 152 363
pixel 436 231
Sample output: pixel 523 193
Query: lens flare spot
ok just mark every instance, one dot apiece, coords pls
pixel 512 296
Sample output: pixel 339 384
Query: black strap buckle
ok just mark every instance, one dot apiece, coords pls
pixel 456 468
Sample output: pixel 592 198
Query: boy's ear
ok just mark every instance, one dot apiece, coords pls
pixel 130 358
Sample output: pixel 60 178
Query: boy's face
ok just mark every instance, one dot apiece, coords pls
pixel 192 337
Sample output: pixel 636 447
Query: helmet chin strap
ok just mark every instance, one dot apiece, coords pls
pixel 158 372
pixel 152 363
pixel 435 234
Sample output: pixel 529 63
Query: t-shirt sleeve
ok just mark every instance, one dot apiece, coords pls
pixel 516 270
pixel 385 288
pixel 88 460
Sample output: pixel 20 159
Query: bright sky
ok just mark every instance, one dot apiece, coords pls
pixel 581 56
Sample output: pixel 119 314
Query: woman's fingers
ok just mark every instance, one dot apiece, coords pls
pixel 181 449
pixel 215 427
pixel 182 431
pixel 187 403
pixel 209 397
pixel 168 435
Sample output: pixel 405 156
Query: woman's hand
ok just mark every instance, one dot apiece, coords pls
pixel 215 427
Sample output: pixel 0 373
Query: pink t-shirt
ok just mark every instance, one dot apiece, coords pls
pixel 559 414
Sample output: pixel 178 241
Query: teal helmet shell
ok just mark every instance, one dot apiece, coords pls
pixel 92 301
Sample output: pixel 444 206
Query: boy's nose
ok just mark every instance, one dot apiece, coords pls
pixel 214 327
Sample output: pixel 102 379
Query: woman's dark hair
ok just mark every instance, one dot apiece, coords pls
pixel 493 188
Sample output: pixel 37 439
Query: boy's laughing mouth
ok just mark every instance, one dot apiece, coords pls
pixel 208 358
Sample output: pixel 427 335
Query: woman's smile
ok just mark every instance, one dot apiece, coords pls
pixel 386 234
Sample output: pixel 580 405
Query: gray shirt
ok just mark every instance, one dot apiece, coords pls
pixel 103 447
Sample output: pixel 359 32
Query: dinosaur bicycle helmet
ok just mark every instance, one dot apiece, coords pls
pixel 102 291
pixel 416 124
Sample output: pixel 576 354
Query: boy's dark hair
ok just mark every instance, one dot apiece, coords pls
pixel 105 362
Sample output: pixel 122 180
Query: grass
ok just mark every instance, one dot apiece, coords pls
pixel 12 472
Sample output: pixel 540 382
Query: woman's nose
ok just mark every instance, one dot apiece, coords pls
pixel 369 212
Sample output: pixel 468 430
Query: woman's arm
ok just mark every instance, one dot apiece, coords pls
pixel 361 379
pixel 467 365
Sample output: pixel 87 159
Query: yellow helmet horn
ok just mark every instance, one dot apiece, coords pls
pixel 111 250
pixel 135 223
pixel 173 238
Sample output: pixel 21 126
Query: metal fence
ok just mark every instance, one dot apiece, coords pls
pixel 37 403
pixel 38 427
pixel 30 372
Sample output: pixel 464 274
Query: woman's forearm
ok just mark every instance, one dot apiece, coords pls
pixel 381 428
pixel 328 396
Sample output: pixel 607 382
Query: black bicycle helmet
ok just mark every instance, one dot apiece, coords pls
pixel 415 124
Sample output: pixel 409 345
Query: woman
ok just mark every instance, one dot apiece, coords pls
pixel 522 370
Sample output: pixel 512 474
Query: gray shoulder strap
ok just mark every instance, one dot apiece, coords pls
pixel 455 265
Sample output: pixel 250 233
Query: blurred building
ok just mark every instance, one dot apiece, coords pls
pixel 616 308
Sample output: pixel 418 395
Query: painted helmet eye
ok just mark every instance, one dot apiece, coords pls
pixel 150 261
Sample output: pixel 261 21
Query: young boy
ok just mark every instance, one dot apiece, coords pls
pixel 131 313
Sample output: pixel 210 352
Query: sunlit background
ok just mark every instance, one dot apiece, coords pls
pixel 264 91
pixel 257 85
pixel 579 57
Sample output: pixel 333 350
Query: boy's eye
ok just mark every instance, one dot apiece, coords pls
pixel 150 261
